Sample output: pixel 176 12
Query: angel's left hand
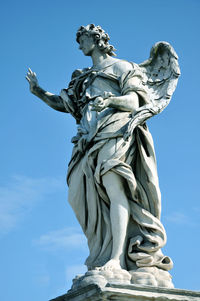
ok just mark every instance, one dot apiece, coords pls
pixel 100 104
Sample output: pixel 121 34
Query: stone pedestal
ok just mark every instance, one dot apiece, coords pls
pixel 94 292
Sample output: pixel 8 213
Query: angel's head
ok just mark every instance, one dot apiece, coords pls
pixel 92 36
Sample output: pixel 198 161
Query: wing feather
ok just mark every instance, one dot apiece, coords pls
pixel 161 72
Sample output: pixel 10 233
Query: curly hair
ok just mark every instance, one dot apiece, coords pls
pixel 101 38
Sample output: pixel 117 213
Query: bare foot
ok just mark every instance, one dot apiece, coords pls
pixel 112 264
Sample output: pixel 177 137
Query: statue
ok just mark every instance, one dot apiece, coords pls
pixel 112 175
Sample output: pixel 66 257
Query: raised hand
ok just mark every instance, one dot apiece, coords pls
pixel 32 79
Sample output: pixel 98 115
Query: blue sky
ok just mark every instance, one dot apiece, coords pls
pixel 42 246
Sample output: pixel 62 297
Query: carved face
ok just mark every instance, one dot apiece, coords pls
pixel 87 44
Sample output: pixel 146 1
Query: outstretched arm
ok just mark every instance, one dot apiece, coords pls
pixel 52 100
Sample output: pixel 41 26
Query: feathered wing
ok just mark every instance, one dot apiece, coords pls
pixel 160 77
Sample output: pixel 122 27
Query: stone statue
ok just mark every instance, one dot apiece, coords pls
pixel 112 175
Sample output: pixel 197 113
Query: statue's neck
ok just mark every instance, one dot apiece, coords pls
pixel 98 57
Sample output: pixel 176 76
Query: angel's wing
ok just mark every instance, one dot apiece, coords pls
pixel 160 77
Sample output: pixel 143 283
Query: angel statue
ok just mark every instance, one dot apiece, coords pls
pixel 112 175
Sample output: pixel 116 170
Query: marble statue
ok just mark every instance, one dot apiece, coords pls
pixel 112 176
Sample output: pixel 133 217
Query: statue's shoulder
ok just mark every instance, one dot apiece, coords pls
pixel 122 66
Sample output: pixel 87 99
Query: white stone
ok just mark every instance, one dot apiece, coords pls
pixel 112 176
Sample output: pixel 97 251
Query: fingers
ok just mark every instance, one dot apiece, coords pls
pixel 30 73
pixel 28 79
pixel 31 78
pixel 98 105
pixel 99 101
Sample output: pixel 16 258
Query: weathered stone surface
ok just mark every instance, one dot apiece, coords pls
pixel 119 292
pixel 112 175
pixel 150 276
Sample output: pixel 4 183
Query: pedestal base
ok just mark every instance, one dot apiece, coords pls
pixel 93 292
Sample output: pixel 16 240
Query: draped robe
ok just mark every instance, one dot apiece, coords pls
pixel 99 147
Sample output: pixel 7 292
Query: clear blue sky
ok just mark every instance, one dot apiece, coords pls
pixel 42 246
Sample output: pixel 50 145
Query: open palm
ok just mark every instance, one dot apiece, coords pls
pixel 32 79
